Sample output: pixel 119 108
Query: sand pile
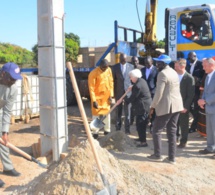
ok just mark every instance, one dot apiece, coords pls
pixel 117 141
pixel 78 174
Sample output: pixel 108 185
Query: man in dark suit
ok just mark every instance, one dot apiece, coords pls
pixel 187 89
pixel 208 101
pixel 194 67
pixel 149 74
pixel 121 83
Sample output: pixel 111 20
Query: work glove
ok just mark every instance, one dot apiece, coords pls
pixel 95 105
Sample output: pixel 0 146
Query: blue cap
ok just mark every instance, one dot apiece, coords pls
pixel 163 58
pixel 12 69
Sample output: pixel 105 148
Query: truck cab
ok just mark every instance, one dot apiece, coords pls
pixel 190 29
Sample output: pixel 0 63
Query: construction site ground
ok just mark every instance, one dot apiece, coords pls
pixel 192 174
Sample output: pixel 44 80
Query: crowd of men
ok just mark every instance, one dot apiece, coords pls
pixel 157 95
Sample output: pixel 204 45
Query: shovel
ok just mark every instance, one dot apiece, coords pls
pixel 97 123
pixel 109 189
pixel 22 153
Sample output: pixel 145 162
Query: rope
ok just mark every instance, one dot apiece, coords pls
pixel 26 88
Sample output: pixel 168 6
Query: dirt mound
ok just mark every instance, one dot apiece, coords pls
pixel 116 140
pixel 78 174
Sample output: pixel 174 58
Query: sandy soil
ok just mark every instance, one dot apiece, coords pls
pixel 192 174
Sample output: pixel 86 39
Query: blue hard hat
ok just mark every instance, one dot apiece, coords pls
pixel 163 58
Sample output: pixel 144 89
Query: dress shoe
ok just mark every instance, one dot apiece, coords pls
pixel 142 145
pixel 181 145
pixel 105 132
pixel 127 132
pixel 12 172
pixel 137 139
pixel 205 151
pixel 171 161
pixel 155 158
pixel 1 183
pixel 192 130
pixel 95 136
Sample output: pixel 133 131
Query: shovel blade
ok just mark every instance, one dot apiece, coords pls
pixel 96 125
pixel 110 190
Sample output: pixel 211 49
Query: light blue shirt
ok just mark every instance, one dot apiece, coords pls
pixel 148 70
pixel 7 95
pixel 210 76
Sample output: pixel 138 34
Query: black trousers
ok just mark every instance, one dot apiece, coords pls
pixel 194 109
pixel 141 124
pixel 170 122
pixel 183 127
pixel 119 110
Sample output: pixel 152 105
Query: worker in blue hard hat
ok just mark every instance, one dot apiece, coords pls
pixel 167 103
pixel 9 74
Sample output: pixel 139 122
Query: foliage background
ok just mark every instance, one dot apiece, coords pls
pixel 25 58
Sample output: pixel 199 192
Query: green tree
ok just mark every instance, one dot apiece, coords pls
pixel 16 54
pixel 35 53
pixel 71 50
pixel 161 44
pixel 72 44
pixel 74 37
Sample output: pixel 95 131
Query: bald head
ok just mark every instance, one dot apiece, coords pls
pixel 104 65
pixel 122 58
pixel 135 61
pixel 192 56
pixel 148 61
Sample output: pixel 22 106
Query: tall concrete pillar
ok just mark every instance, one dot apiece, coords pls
pixel 52 77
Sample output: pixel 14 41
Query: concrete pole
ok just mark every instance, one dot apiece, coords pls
pixel 52 77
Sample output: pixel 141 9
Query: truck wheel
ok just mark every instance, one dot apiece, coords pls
pixel 70 95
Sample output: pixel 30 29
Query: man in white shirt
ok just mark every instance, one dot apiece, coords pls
pixel 187 89
pixel 121 83
pixel 195 68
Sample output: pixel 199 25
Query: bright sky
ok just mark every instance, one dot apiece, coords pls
pixel 91 20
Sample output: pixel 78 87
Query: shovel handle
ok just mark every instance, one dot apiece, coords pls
pixel 84 117
pixel 114 106
pixel 14 148
pixel 22 153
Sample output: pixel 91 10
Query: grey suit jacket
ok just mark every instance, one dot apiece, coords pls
pixel 167 98
pixel 127 81
pixel 209 95
pixel 187 89
pixel 121 84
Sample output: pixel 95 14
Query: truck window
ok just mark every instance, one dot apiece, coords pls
pixel 196 26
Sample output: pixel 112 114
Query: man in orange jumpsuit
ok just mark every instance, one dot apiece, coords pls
pixel 100 82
